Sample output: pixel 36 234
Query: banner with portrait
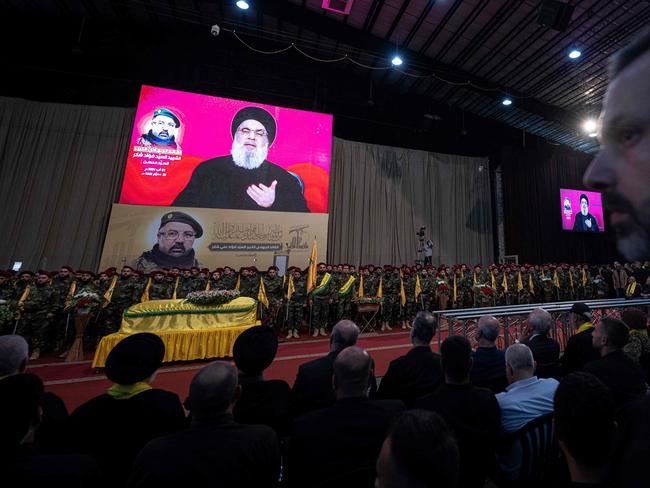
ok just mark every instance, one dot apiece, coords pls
pixel 582 211
pixel 149 237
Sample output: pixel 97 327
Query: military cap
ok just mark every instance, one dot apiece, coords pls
pixel 128 267
pixel 167 113
pixel 582 309
pixel 255 349
pixel 135 358
pixel 255 113
pixel 183 218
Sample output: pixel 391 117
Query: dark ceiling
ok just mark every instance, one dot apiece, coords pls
pixel 463 53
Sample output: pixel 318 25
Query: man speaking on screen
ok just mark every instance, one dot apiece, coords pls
pixel 245 180
pixel 584 221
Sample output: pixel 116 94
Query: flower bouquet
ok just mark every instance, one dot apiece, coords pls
pixel 364 300
pixel 442 289
pixel 212 297
pixel 85 302
pixel 6 315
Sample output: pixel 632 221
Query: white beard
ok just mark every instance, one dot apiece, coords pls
pixel 247 159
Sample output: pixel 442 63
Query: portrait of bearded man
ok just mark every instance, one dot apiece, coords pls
pixel 245 180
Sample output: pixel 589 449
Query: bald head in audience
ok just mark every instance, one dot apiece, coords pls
pixel 488 331
pixel 344 334
pixel 352 373
pixel 14 352
pixel 214 390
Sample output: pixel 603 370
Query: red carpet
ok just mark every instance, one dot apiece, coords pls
pixel 77 382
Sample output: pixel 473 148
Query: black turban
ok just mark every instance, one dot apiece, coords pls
pixel 255 349
pixel 135 358
pixel 255 113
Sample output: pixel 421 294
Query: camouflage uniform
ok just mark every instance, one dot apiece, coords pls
pixel 321 302
pixel 297 303
pixel 249 286
pixel 345 301
pixel 390 308
pixel 408 312
pixel 125 294
pixel 274 293
pixel 229 281
pixel 160 290
pixel 34 323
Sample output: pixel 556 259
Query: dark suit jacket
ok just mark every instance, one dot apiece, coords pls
pixel 489 369
pixel 313 388
pixel 411 376
pixel 546 352
pixel 474 416
pixel 263 402
pixel 30 468
pixel 341 438
pixel 578 352
pixel 114 431
pixel 219 452
pixel 623 376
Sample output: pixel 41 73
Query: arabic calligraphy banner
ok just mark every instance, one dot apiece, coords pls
pixel 149 237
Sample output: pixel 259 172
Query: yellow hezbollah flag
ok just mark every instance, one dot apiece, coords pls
pixel 71 292
pixel 261 294
pixel 531 288
pixel 504 284
pixel 493 280
pixel 311 272
pixel 520 284
pixel 454 286
pixel 360 290
pixel 584 277
pixel 145 294
pixel 418 287
pixel 109 293
pixel 178 278
pixel 380 290
pixel 208 285
pixel 402 292
pixel 24 296
pixel 238 284
pixel 290 287
pixel 556 280
pixel 571 279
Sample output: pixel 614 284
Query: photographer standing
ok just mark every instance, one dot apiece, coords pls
pixel 428 252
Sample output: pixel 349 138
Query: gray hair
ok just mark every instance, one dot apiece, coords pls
pixel 344 334
pixel 213 389
pixel 424 328
pixel 489 327
pixel 540 320
pixel 520 358
pixel 13 354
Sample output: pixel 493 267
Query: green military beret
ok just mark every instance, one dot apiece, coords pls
pixel 183 218
pixel 167 113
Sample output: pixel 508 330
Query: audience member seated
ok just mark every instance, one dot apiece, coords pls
pixel 638 344
pixel 623 376
pixel 629 466
pixel 489 362
pixel 215 450
pixel 261 401
pixel 334 442
pixel 420 451
pixel 21 461
pixel 417 372
pixel 585 426
pixel 546 350
pixel 312 389
pixel 472 412
pixel 115 426
pixel 14 353
pixel 526 398
pixel 579 349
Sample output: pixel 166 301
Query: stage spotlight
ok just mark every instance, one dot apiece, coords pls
pixel 242 4
pixel 590 126
pixel 507 101
pixel 397 61
pixel 575 53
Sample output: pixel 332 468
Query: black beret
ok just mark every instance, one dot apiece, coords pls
pixel 255 113
pixel 135 358
pixel 255 349
pixel 167 113
pixel 183 218
pixel 580 308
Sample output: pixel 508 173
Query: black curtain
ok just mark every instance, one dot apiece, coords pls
pixel 532 178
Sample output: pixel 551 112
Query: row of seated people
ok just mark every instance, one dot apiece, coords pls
pixel 429 423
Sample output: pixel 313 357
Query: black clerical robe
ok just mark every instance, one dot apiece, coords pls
pixel 580 225
pixel 219 183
